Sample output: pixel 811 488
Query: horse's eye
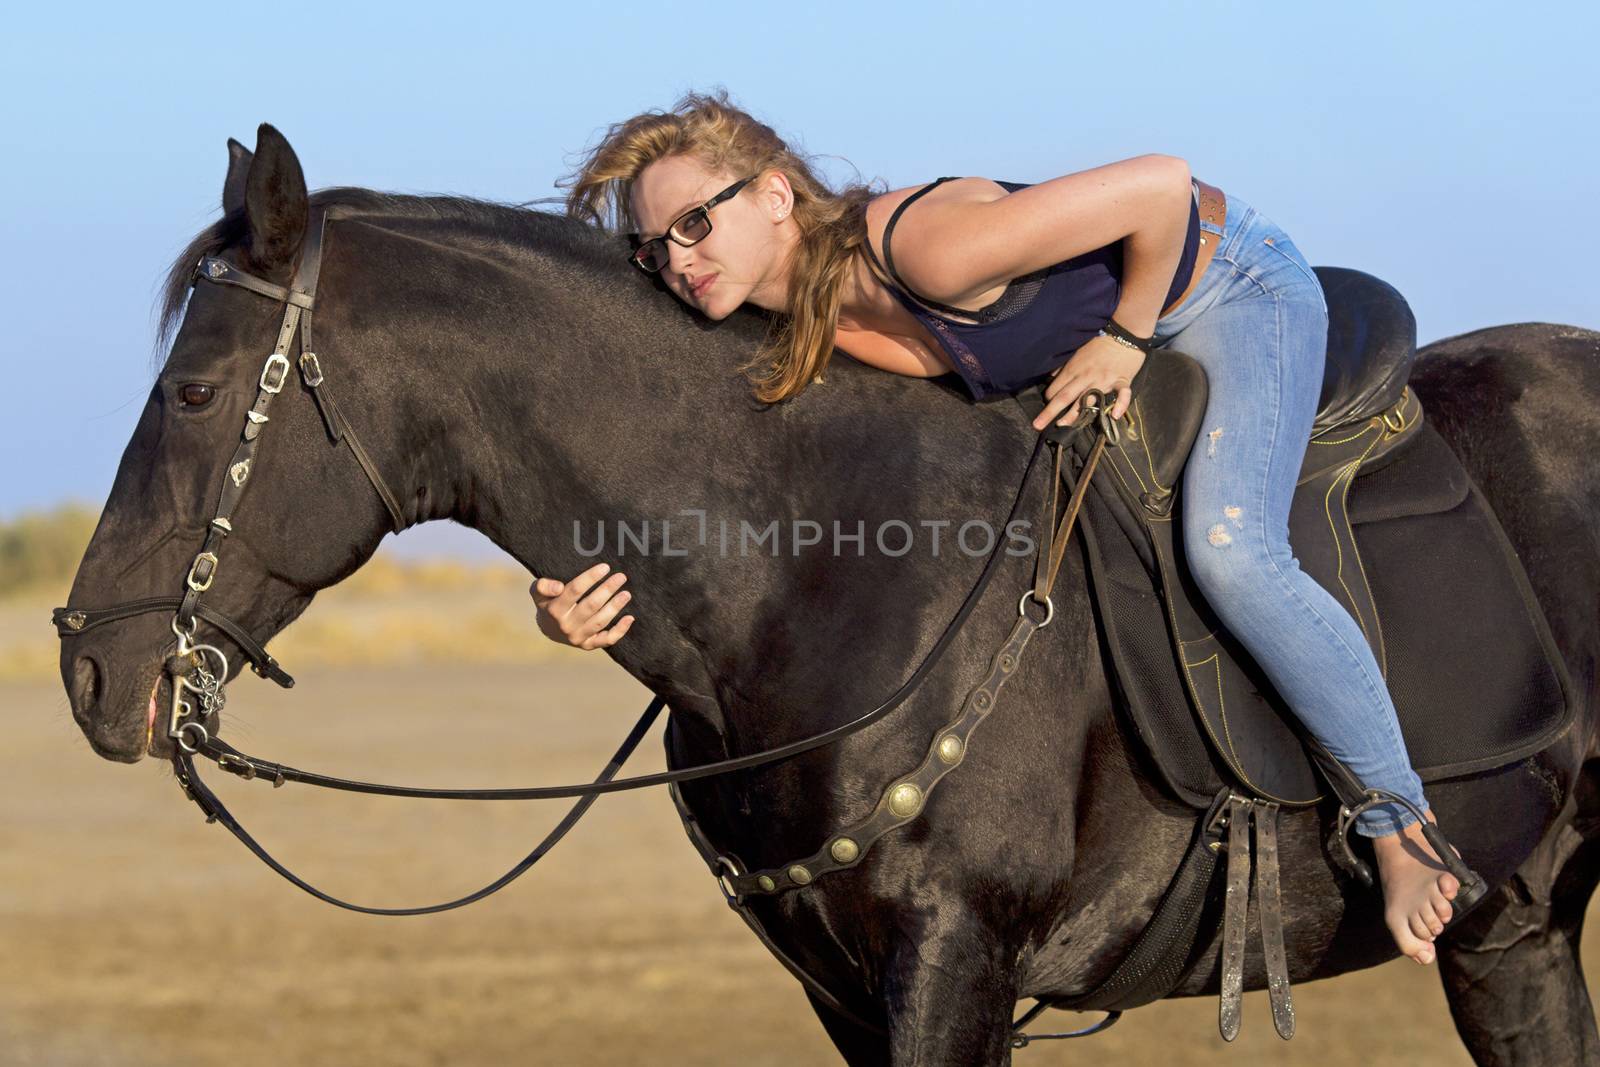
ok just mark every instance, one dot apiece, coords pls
pixel 195 395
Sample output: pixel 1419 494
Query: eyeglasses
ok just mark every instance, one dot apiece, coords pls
pixel 690 228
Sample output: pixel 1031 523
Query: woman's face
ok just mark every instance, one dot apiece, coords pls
pixel 736 261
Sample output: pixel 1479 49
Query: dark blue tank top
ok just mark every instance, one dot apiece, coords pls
pixel 1040 319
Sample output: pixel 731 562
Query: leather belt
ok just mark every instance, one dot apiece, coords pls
pixel 1213 209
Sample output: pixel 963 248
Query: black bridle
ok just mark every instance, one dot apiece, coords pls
pixel 189 667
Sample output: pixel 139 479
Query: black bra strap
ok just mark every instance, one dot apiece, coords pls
pixel 888 256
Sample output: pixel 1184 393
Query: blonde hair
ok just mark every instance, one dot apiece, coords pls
pixel 715 132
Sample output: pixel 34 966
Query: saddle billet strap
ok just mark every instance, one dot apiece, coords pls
pixel 1233 922
pixel 69 622
pixel 1269 903
pixel 1269 909
pixel 215 811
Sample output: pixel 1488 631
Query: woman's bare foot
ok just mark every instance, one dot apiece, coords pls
pixel 1417 889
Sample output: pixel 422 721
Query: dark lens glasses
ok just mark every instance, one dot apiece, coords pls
pixel 690 228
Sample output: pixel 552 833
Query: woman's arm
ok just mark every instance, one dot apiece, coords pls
pixel 959 247
pixel 1150 256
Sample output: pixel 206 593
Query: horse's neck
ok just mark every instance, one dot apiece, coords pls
pixel 538 410
pixel 537 404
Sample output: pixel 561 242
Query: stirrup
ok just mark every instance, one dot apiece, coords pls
pixel 1472 886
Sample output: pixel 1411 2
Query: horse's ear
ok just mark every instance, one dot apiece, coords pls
pixel 274 201
pixel 239 158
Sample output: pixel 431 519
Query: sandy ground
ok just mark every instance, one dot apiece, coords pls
pixel 135 934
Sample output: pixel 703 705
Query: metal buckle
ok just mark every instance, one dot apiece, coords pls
pixel 249 769
pixel 310 369
pixel 193 581
pixel 269 383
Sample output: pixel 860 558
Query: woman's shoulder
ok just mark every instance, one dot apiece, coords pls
pixel 932 211
pixel 953 191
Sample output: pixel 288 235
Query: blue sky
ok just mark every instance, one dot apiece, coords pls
pixel 1450 149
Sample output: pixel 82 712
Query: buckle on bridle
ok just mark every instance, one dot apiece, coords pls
pixel 310 369
pixel 194 580
pixel 274 373
pixel 226 760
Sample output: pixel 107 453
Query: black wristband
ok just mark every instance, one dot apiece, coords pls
pixel 1115 329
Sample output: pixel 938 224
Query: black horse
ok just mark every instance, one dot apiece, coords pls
pixel 507 370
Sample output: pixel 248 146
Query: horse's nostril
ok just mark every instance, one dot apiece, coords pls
pixel 85 685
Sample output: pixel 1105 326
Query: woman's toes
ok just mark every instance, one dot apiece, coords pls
pixel 1419 926
pixel 1424 956
pixel 1408 943
pixel 1449 885
pixel 1443 910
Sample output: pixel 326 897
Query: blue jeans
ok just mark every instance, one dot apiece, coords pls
pixel 1257 321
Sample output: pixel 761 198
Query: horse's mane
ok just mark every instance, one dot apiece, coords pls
pixel 584 246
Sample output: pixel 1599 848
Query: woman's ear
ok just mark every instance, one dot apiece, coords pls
pixel 777 196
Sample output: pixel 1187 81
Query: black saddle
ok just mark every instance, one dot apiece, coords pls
pixel 1385 518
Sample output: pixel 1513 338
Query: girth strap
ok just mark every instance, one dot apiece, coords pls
pixel 1160 958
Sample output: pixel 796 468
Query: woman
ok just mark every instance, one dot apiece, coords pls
pixel 1070 281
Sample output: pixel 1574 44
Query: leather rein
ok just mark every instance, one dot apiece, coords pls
pixel 199 671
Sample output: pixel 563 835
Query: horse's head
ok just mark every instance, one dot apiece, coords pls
pixel 236 498
pixel 501 367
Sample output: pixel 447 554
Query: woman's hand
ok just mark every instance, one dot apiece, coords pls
pixel 1100 363
pixel 568 617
